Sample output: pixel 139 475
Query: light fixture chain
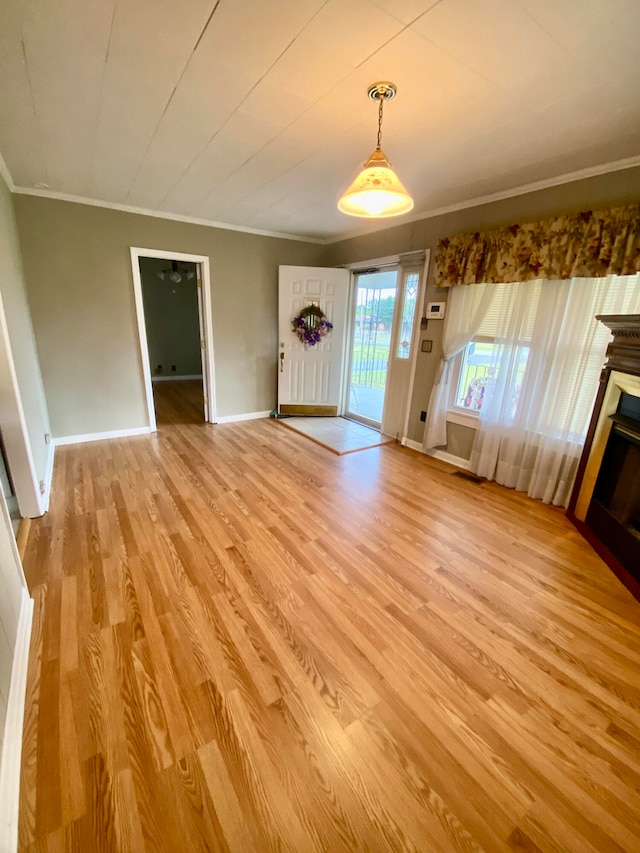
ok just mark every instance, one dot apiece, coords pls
pixel 380 106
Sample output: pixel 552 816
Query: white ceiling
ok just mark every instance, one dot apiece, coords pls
pixel 254 112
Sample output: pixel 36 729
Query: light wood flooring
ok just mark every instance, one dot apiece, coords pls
pixel 243 642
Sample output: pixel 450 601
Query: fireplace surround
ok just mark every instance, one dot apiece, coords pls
pixel 605 502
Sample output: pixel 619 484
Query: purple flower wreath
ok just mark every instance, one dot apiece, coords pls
pixel 311 325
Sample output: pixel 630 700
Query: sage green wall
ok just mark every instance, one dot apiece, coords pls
pixel 79 281
pixel 611 189
pixel 21 334
pixel 78 276
pixel 171 320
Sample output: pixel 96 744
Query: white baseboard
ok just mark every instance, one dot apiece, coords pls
pixel 412 445
pixel 12 741
pixel 248 416
pixel 174 378
pixel 99 436
pixel 443 456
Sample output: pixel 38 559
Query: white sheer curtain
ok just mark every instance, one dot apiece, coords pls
pixel 533 422
pixel 466 309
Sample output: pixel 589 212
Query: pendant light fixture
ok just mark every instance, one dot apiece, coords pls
pixel 377 193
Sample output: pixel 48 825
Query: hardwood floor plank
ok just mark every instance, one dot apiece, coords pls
pixel 238 831
pixel 72 794
pixel 245 643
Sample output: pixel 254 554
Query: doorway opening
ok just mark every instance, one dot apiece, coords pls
pixel 372 313
pixel 172 292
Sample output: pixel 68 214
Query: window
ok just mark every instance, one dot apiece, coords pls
pixel 409 295
pixel 478 372
pixel 520 314
pixel 477 367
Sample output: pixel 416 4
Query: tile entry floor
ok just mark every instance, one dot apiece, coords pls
pixel 337 434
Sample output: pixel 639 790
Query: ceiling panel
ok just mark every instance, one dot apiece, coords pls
pixel 211 89
pixel 198 109
pixel 597 32
pixel 256 113
pixel 67 45
pixel 242 136
pixel 252 35
pixel 148 51
pixel 20 140
pixel 501 42
pixel 340 37
pixel 405 10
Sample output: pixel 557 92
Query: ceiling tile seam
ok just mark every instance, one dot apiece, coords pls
pixel 94 141
pixel 224 124
pixel 272 178
pixel 33 100
pixel 205 198
pixel 455 58
pixel 171 96
pixel 160 214
pixel 513 192
pixel 545 30
pixel 393 37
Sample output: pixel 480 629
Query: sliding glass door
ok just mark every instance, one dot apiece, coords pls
pixel 371 323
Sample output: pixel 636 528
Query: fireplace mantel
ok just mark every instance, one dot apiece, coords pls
pixel 619 381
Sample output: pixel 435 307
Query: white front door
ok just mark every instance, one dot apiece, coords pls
pixel 310 377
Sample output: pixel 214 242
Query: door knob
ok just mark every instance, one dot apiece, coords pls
pixel 281 362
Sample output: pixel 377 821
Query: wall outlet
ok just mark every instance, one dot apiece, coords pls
pixel 423 416
pixel 173 368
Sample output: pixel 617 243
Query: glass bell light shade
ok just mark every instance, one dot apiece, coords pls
pixel 376 192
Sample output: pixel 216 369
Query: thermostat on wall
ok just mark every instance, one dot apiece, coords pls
pixel 435 310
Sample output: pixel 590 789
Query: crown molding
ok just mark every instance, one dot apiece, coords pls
pixel 523 189
pixel 160 214
pixel 381 225
pixel 6 174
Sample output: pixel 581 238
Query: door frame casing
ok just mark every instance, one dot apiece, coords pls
pixel 387 261
pixel 207 323
pixel 32 501
pixel 421 310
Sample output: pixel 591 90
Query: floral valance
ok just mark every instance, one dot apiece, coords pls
pixel 592 244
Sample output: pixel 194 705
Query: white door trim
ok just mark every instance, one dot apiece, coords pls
pixel 203 261
pixel 415 342
pixel 31 501
pixel 10 760
pixel 359 266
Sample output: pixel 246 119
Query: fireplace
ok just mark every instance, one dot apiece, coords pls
pixel 605 503
pixel 614 510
